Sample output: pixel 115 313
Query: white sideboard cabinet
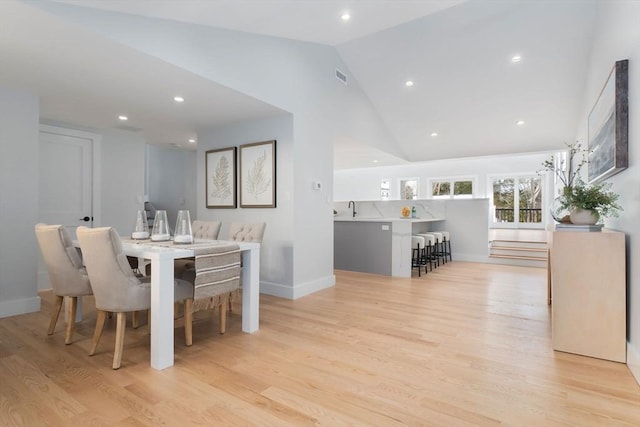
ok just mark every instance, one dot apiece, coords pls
pixel 588 293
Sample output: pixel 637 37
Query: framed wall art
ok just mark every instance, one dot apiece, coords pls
pixel 220 170
pixel 608 126
pixel 258 175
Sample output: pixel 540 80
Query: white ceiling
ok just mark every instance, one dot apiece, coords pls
pixel 457 53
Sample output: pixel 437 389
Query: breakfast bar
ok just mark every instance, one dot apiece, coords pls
pixel 377 245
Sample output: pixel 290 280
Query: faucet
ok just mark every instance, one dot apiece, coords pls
pixel 352 205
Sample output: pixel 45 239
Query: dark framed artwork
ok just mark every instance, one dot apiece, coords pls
pixel 609 126
pixel 220 172
pixel 258 175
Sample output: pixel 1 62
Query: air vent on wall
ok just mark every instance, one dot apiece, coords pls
pixel 341 76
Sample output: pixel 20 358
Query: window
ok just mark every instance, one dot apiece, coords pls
pixel 517 200
pixel 385 185
pixel 409 189
pixel 456 188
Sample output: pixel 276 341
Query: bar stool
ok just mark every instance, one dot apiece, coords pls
pixel 446 245
pixel 417 253
pixel 429 249
pixel 438 253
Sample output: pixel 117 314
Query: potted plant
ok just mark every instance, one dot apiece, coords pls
pixel 579 203
pixel 590 202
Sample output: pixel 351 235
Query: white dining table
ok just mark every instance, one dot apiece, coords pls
pixel 162 258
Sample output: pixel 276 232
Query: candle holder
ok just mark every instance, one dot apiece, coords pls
pixel 183 231
pixel 141 227
pixel 160 230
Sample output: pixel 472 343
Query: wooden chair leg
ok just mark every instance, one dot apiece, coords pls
pixel 231 298
pixel 97 333
pixel 223 314
pixel 120 327
pixel 55 314
pixel 72 308
pixel 135 320
pixel 188 322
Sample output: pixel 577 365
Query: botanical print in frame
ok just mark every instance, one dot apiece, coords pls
pixel 608 126
pixel 220 170
pixel 258 175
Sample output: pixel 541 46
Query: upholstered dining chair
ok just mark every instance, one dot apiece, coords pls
pixel 244 232
pixel 116 288
pixel 201 230
pixel 215 276
pixel 67 276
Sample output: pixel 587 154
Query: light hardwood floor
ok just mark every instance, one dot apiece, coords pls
pixel 466 345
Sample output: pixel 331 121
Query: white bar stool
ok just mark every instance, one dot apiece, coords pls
pixel 417 253
pixel 446 245
pixel 429 249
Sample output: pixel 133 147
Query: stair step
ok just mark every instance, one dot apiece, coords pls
pixel 519 248
pixel 530 258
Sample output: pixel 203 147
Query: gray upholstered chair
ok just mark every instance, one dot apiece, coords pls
pixel 116 288
pixel 215 276
pixel 206 229
pixel 241 232
pixel 244 232
pixel 201 230
pixel 67 275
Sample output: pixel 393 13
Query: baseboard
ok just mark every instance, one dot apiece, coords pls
pixel 20 306
pixel 297 291
pixel 633 361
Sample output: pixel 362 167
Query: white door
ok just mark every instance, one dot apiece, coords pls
pixel 65 182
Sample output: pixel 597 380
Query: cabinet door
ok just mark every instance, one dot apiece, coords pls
pixel 588 294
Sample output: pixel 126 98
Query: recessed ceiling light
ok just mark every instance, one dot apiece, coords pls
pixel 178 99
pixel 434 134
pixel 516 58
pixel 123 118
pixel 408 83
pixel 192 140
pixel 345 16
pixel 520 122
pixel 374 161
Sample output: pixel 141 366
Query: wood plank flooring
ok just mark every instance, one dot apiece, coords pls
pixel 466 345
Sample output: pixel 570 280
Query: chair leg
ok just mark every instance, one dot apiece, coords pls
pixel 135 320
pixel 223 314
pixel 188 322
pixel 55 314
pixel 72 308
pixel 231 295
pixel 120 327
pixel 97 333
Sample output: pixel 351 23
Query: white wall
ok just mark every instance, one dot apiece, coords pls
pixel 364 184
pixel 297 77
pixel 171 184
pixel 276 257
pixel 618 37
pixel 121 166
pixel 122 178
pixel 19 113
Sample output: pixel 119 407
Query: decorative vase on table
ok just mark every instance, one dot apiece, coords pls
pixel 584 217
pixel 183 232
pixel 160 232
pixel 559 211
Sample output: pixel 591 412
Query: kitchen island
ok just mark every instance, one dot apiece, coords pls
pixel 376 245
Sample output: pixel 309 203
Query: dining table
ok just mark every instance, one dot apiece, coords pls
pixel 162 256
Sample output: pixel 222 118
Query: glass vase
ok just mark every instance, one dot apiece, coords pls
pixel 160 230
pixel 183 232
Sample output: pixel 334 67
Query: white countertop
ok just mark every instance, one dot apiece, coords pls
pixel 369 219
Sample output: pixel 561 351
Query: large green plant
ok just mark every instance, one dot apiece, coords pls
pixel 595 197
pixel 575 193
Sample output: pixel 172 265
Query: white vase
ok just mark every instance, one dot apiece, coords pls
pixel 584 217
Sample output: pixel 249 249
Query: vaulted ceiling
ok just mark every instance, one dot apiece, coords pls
pixel 457 53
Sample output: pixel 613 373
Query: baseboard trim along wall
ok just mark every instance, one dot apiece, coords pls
pixel 298 291
pixel 19 306
pixel 633 361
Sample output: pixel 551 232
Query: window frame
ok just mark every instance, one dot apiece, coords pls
pixel 452 182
